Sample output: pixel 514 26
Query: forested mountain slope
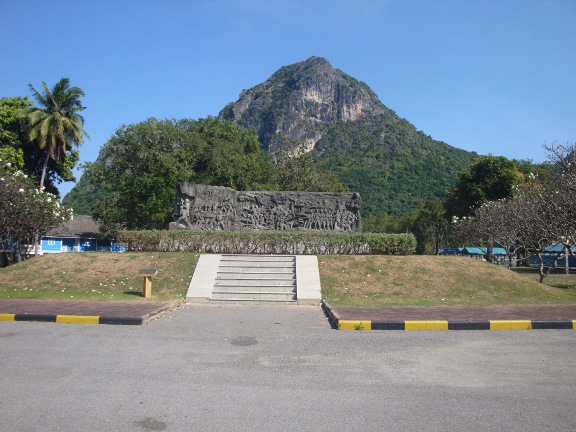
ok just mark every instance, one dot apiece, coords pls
pixel 373 151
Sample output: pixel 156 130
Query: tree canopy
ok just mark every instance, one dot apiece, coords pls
pixel 488 178
pixel 540 212
pixel 298 170
pixel 139 167
pixel 56 124
pixel 16 147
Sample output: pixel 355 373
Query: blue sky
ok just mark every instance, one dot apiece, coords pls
pixel 492 76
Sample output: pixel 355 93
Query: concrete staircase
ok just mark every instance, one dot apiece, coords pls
pixel 255 278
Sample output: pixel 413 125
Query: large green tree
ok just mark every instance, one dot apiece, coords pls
pixel 16 147
pixel 488 178
pixel 56 125
pixel 432 223
pixel 138 168
pixel 382 223
pixel 229 155
pixel 298 170
pixel 428 224
pixel 12 126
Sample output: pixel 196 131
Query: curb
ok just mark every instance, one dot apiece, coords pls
pixel 73 319
pixel 90 319
pixel 337 323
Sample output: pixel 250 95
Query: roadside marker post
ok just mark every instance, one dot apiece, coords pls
pixel 148 274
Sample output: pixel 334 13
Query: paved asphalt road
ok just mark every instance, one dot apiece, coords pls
pixel 265 368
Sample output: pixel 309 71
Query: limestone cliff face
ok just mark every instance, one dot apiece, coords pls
pixel 300 102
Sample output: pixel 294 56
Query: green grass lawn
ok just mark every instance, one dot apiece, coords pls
pixel 435 280
pixel 98 276
pixel 375 280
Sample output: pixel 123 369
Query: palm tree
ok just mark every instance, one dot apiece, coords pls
pixel 55 125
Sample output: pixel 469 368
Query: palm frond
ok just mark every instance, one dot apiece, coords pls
pixel 40 100
pixel 56 125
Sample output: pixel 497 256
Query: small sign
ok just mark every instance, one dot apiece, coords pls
pixel 147 272
pixel 449 251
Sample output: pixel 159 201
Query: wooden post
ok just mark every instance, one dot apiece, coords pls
pixel 147 274
pixel 147 287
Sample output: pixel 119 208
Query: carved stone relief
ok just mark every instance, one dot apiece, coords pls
pixel 202 207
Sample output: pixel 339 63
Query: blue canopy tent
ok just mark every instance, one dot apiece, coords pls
pixel 472 250
pixel 553 252
pixel 495 251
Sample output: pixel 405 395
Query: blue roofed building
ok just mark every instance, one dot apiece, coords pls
pixel 77 235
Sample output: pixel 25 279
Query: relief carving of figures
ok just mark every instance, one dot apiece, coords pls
pixel 202 207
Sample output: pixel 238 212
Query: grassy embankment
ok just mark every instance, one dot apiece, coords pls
pixel 433 280
pixel 375 280
pixel 98 276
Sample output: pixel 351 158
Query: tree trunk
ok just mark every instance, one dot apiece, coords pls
pixel 36 245
pixel 489 254
pixel 17 254
pixel 42 177
pixel 509 254
pixel 541 266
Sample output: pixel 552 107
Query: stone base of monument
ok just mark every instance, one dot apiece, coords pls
pixel 176 226
pixel 256 278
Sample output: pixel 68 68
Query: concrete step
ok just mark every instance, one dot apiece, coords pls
pixel 248 301
pixel 256 258
pixel 247 295
pixel 253 269
pixel 255 278
pixel 215 271
pixel 243 264
pixel 255 282
pixel 255 289
pixel 251 276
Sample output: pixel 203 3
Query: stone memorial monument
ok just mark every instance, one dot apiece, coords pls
pixel 201 207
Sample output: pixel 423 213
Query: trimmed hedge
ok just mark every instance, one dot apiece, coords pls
pixel 269 242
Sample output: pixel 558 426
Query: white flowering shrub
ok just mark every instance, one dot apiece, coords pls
pixel 25 211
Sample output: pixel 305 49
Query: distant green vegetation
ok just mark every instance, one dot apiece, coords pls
pixel 83 196
pixel 485 179
pixel 394 167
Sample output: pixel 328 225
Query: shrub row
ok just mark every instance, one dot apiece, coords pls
pixel 280 243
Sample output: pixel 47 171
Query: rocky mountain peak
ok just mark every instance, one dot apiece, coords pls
pixel 300 102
